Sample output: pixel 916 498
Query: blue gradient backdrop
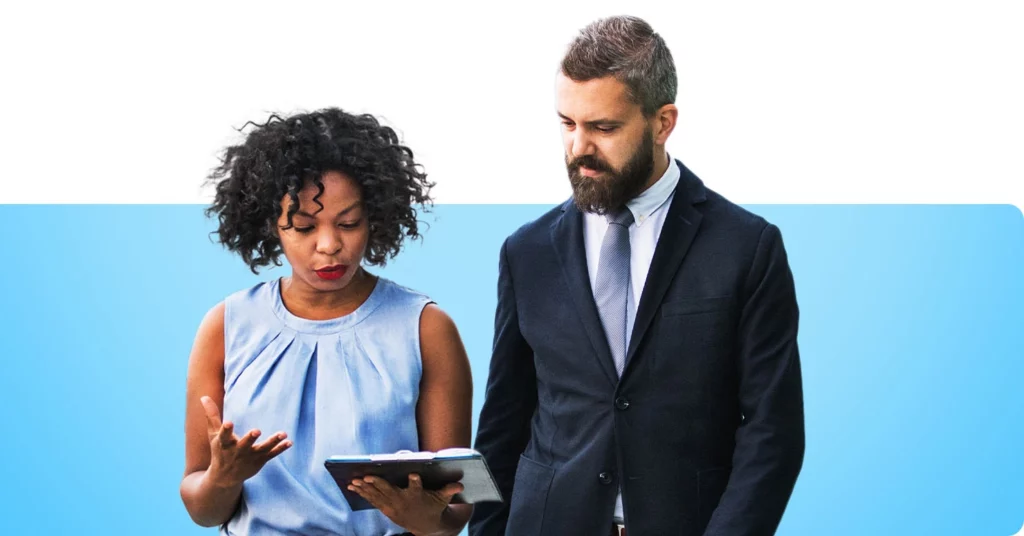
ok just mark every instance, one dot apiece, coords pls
pixel 912 339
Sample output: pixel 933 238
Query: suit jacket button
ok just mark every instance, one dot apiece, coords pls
pixel 621 403
pixel 605 478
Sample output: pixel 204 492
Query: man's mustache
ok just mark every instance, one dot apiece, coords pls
pixel 589 161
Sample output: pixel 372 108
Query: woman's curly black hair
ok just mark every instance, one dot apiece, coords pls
pixel 282 155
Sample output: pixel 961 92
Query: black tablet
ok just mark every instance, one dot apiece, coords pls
pixel 436 469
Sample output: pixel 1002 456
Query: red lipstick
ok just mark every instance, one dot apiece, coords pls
pixel 330 273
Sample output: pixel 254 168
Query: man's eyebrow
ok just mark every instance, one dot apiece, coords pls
pixel 596 122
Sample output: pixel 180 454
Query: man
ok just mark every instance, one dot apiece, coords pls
pixel 645 376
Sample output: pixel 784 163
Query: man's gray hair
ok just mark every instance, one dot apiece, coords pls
pixel 629 49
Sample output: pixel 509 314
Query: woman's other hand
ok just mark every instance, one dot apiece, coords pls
pixel 414 508
pixel 234 459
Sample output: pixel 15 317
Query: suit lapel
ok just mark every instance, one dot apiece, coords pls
pixel 567 239
pixel 677 234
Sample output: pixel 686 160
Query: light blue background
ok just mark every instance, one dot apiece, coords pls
pixel 912 340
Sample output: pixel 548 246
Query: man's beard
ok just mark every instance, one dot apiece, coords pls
pixel 611 191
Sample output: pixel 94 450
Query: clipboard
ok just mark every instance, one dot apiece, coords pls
pixel 436 469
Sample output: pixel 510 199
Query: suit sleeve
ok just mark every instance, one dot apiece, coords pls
pixel 770 439
pixel 510 400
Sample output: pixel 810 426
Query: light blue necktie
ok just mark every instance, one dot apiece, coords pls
pixel 613 289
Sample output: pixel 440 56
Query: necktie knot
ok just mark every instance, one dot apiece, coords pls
pixel 623 217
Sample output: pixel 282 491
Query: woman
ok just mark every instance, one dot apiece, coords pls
pixel 333 359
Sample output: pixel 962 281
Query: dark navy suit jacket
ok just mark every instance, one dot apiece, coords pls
pixel 704 432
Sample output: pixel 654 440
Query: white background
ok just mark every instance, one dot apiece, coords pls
pixel 781 102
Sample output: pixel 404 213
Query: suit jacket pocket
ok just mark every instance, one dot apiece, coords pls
pixel 692 306
pixel 529 497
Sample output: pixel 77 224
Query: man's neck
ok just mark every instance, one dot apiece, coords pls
pixel 661 164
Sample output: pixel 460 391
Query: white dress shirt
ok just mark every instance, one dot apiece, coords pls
pixel 649 210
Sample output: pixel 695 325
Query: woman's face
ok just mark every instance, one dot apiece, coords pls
pixel 325 246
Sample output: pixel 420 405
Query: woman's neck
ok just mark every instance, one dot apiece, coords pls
pixel 307 302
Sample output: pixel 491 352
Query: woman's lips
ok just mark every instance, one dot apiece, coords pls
pixel 331 273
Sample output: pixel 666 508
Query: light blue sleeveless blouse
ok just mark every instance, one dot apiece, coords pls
pixel 348 385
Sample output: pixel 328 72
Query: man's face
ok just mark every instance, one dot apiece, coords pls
pixel 609 144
